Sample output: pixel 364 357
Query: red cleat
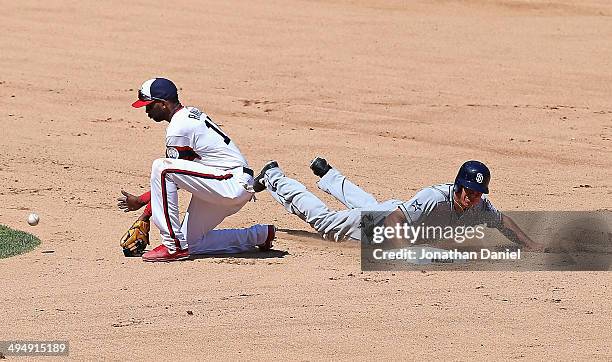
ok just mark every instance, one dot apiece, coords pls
pixel 267 245
pixel 161 253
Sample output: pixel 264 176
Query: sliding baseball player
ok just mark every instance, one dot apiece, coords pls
pixel 459 203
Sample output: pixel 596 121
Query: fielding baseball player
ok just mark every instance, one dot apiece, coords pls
pixel 459 203
pixel 203 160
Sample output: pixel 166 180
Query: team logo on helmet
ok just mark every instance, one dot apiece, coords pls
pixel 479 178
pixel 172 152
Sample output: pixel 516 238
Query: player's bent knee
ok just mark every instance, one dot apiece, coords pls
pixel 158 166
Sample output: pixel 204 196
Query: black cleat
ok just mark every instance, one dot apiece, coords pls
pixel 320 166
pixel 258 185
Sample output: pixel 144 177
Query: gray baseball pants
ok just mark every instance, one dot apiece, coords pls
pixel 339 225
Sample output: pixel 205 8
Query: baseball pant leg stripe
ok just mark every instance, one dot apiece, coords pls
pixel 165 197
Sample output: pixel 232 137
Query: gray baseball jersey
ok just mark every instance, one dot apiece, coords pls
pixel 434 206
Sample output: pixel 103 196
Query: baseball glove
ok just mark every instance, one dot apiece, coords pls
pixel 136 239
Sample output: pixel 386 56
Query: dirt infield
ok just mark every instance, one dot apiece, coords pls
pixel 396 95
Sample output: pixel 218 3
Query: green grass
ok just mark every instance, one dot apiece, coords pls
pixel 15 242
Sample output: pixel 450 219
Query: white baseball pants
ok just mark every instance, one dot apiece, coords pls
pixel 215 194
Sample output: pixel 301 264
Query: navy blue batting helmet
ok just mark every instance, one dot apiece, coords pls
pixel 473 175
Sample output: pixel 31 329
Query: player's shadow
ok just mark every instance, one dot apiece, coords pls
pixel 301 233
pixel 270 254
pixel 315 239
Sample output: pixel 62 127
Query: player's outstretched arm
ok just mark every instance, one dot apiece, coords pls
pixel 397 217
pixel 514 233
pixel 128 202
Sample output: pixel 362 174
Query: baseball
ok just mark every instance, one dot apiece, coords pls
pixel 33 219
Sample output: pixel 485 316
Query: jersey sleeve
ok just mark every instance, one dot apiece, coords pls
pixel 178 141
pixel 490 215
pixel 180 146
pixel 180 131
pixel 420 206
